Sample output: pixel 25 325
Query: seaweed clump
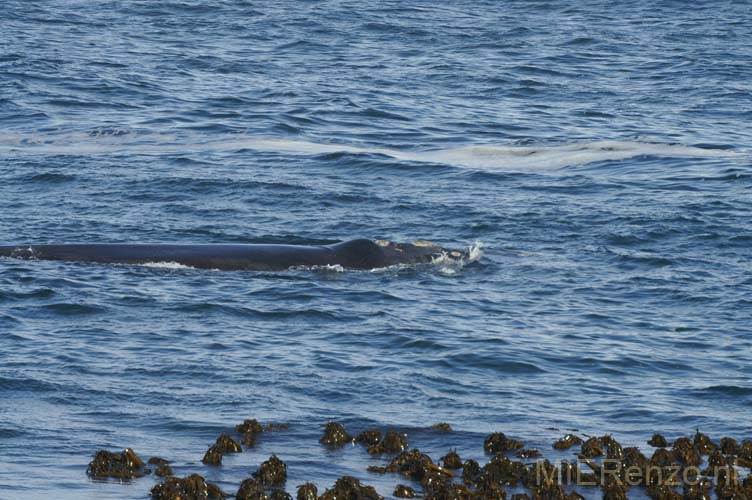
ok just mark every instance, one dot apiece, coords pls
pixel 163 466
pixel 447 490
pixel 163 470
pixel 224 444
pixel 249 429
pixel 436 480
pixel 729 487
pixel 419 467
pixel 703 444
pixel 452 460
pixel 663 491
pixel 349 488
pixel 451 491
pixel 498 442
pixel 593 447
pixel 307 491
pixel 335 435
pixel 528 453
pixel 553 491
pixel 699 491
pixel 403 491
pixel 470 471
pixel 501 471
pixel 272 471
pixel 658 441
pixel 729 446
pixel 393 442
pixel 745 451
pixel 124 465
pixel 279 495
pixel 614 490
pixel 227 445
pixel 567 442
pixel 193 487
pixel 443 427
pixel 686 452
pixel 369 438
pixel 212 456
pixel 250 489
pixel 662 458
pixel 620 469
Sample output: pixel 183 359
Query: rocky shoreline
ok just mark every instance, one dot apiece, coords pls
pixel 690 468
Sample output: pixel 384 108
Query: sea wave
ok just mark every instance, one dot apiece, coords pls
pixel 492 157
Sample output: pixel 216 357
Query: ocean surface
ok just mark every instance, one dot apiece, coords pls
pixel 596 155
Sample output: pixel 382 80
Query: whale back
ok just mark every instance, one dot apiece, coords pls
pixel 418 252
pixel 360 253
pixel 354 254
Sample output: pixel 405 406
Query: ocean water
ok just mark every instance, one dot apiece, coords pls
pixel 596 153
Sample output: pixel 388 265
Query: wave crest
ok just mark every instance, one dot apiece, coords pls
pixel 479 157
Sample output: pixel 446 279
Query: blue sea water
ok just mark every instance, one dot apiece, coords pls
pixel 597 152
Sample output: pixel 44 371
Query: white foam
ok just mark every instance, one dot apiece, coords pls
pixel 475 252
pixel 491 157
pixel 479 157
pixel 166 265
pixel 334 268
pixel 449 265
pixel 394 267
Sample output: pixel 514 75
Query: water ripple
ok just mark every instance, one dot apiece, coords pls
pixel 600 156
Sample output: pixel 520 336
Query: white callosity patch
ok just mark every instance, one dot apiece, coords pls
pixel 424 243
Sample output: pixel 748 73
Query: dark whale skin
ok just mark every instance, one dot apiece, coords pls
pixel 354 254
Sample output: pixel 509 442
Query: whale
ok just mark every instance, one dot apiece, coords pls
pixel 361 253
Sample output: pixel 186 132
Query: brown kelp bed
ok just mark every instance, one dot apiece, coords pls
pixel 690 468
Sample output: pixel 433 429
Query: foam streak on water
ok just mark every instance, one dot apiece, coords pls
pixel 599 151
pixel 481 157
